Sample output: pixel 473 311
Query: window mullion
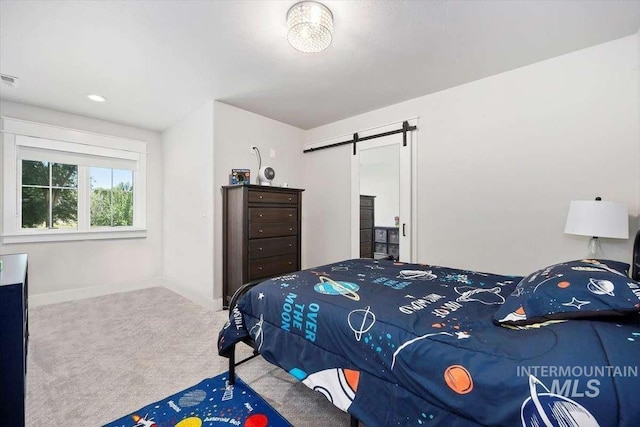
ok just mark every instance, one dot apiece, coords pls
pixel 84 198
pixel 50 218
pixel 111 198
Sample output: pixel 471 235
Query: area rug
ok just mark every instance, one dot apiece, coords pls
pixel 210 403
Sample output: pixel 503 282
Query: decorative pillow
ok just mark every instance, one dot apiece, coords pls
pixel 571 290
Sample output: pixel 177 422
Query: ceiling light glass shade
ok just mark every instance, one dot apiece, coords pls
pixel 310 27
pixel 598 219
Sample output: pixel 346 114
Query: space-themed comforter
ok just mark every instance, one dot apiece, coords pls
pixel 415 345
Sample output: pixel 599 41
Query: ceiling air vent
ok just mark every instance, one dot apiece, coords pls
pixel 9 80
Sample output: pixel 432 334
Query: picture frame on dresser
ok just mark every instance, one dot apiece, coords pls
pixel 261 234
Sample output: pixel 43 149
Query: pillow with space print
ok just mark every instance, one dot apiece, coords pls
pixel 585 288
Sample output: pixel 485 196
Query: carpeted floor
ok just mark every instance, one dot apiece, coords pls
pixel 94 360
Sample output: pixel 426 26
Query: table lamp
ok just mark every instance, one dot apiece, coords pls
pixel 597 218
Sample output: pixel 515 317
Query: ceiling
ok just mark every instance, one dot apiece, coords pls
pixel 157 61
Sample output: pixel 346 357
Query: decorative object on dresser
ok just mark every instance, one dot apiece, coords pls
pixel 387 241
pixel 14 338
pixel 261 234
pixel 240 176
pixel 367 219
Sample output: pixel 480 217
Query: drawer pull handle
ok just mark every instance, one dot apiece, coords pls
pixel 290 215
pixel 260 215
pixel 290 262
pixel 290 245
pixel 290 229
pixel 290 198
pixel 260 197
pixel 260 231
pixel 259 268
pixel 260 249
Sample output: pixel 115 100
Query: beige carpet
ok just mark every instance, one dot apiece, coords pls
pixel 92 361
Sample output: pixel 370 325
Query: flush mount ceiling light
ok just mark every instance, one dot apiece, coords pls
pixel 310 27
pixel 95 97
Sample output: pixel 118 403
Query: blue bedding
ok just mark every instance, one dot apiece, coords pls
pixel 415 345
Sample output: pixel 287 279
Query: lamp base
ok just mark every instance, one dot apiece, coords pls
pixel 594 248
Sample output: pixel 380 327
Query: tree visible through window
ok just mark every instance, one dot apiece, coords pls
pixel 49 195
pixel 111 197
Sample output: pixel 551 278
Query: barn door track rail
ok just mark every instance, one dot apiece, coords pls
pixel 405 128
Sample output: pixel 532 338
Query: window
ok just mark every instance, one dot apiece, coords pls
pixel 111 197
pixel 49 195
pixel 88 186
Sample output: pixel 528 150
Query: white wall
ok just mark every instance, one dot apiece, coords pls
pixel 236 131
pixel 380 177
pixel 500 158
pixel 187 208
pixel 72 269
pixel 637 212
pixel 326 231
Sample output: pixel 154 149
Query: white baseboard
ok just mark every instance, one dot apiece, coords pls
pixel 93 291
pixel 190 294
pixel 97 291
pixel 217 304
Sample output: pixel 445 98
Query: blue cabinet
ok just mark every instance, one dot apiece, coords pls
pixel 14 336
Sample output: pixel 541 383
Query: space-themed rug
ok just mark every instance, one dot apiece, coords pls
pixel 208 404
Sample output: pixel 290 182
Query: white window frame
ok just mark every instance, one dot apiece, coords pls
pixel 20 133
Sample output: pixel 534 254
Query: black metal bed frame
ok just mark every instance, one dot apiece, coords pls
pixel 248 341
pixel 635 261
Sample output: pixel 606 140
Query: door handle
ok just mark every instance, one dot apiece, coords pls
pixel 404 229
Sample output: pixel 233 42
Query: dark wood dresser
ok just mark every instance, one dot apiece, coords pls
pixel 14 337
pixel 367 221
pixel 261 234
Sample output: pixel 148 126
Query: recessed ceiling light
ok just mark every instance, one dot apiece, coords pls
pixel 96 97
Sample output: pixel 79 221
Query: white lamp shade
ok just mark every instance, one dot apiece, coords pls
pixel 598 219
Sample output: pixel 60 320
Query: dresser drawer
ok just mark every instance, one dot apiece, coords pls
pixel 264 248
pixel 366 250
pixel 271 229
pixel 273 214
pixel 366 223
pixel 365 236
pixel 366 201
pixel 267 267
pixel 272 197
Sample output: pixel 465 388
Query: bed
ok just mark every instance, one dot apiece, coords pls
pixel 415 345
